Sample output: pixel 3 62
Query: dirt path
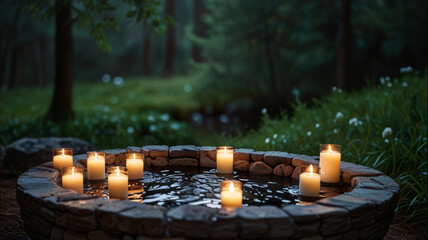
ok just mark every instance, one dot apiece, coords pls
pixel 11 226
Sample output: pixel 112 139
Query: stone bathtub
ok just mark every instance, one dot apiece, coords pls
pixel 51 212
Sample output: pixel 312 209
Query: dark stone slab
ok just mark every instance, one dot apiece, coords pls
pixel 81 215
pixel 257 156
pixel 190 221
pixel 183 162
pixel 28 152
pixel 107 213
pixel 362 211
pixel 358 171
pixel 145 219
pixel 225 225
pixel 242 154
pixel 207 157
pixel 304 160
pixel 57 233
pixel 273 158
pixel 260 168
pixel 259 222
pixel 184 151
pixel 73 235
pixel 155 151
pixel 96 235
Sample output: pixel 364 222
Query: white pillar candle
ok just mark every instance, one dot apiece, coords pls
pixel 309 183
pixel 224 159
pixel 117 183
pixel 72 178
pixel 231 194
pixel 330 163
pixel 135 165
pixel 96 165
pixel 63 157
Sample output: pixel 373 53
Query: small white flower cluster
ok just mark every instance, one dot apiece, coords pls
pixel 355 122
pixel 387 131
pixel 407 69
pixel 384 80
pixel 339 115
pixel 336 89
pixel 264 110
pixel 275 136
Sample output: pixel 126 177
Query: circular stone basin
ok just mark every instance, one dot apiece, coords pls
pixel 178 186
pixel 363 212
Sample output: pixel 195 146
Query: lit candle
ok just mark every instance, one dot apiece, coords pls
pixel 62 157
pixel 330 163
pixel 117 182
pixel 231 194
pixel 135 165
pixel 309 183
pixel 72 178
pixel 96 165
pixel 224 160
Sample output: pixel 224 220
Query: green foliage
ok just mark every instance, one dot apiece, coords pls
pixel 96 16
pixel 268 51
pixel 358 123
pixel 106 114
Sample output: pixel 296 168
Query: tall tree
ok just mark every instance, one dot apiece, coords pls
pixel 147 50
pixel 344 46
pixel 61 105
pixel 95 16
pixel 198 29
pixel 170 40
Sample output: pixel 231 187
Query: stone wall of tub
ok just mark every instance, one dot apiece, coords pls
pixel 51 212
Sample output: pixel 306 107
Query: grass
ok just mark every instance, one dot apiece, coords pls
pixel 357 122
pixel 139 111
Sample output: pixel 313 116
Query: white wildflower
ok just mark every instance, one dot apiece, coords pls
pixel 317 125
pixel 339 115
pixel 284 140
pixel 164 117
pixel 355 122
pixel 273 142
pixel 130 130
pixel 407 69
pixel 151 118
pixel 334 88
pixel 153 128
pixel 264 110
pixel 405 84
pixel 339 90
pixel 382 80
pixel 387 131
pixel 275 136
pixel 389 84
pixel 309 133
pixel 335 130
pixel 267 140
pixel 387 79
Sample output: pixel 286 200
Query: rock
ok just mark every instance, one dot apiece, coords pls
pixel 274 158
pixel 225 225
pixel 183 162
pixel 257 156
pixel 296 173
pixel 158 162
pixel 358 170
pixel 259 222
pixel 105 214
pixel 207 156
pixel 81 159
pixel 304 160
pixel 145 219
pixel 260 168
pixel 115 156
pixel 190 221
pixel 155 151
pixel 241 165
pixel 57 233
pixel 184 151
pixel 242 154
pixel 29 152
pixel 133 149
pixel 283 170
pixel 95 235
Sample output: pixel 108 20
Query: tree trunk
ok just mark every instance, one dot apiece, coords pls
pixel 198 29
pixel 344 46
pixel 61 105
pixel 170 40
pixel 147 51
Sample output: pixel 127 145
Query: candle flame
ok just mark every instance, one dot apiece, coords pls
pixel 63 152
pixel 134 156
pixel 72 171
pixel 225 150
pixel 117 171
pixel 232 188
pixel 329 148
pixel 96 156
pixel 311 169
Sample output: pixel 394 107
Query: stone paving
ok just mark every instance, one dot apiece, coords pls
pixel 51 212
